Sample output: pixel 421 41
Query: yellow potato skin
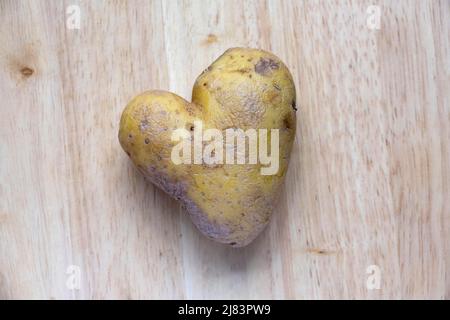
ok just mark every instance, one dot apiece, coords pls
pixel 244 88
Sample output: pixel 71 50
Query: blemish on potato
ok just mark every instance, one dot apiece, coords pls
pixel 144 125
pixel 191 108
pixel 190 126
pixel 146 141
pixel 243 70
pixel 265 66
pixel 293 105
pixel 273 96
pixel 287 122
pixel 207 70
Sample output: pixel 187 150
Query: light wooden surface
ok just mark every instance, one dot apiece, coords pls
pixel 369 181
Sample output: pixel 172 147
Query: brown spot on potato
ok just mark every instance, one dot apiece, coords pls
pixel 242 70
pixel 287 122
pixel 147 141
pixel 293 105
pixel 144 125
pixel 190 126
pixel 192 108
pixel 273 96
pixel 266 66
pixel 207 70
pixel 26 71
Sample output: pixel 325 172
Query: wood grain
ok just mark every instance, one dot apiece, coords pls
pixel 369 181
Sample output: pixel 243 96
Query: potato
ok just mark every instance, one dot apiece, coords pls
pixel 243 89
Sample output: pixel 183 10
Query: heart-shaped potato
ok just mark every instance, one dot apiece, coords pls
pixel 243 89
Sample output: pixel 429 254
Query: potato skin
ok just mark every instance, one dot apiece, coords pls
pixel 244 88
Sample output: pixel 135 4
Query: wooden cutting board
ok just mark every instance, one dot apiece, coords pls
pixel 365 209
